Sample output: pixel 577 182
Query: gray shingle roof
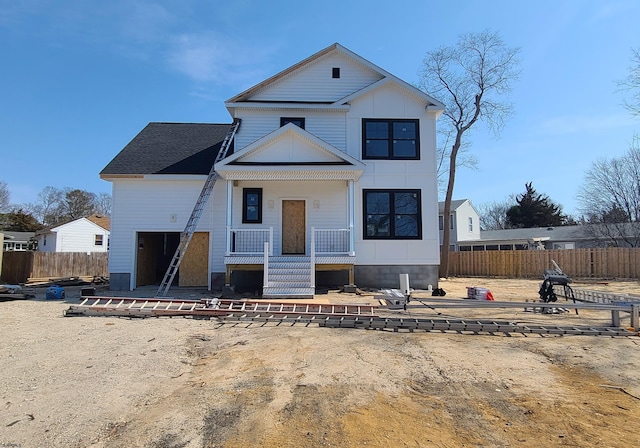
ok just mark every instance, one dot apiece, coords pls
pixel 455 203
pixel 170 148
pixel 560 233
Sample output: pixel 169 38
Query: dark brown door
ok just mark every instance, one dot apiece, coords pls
pixel 293 227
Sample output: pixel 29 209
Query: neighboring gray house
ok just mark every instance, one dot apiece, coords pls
pixel 564 237
pixel 16 241
pixel 464 223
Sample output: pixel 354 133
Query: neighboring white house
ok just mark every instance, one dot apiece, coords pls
pixel 464 222
pixel 334 167
pixel 90 234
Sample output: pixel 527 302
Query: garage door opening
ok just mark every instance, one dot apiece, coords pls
pixel 155 251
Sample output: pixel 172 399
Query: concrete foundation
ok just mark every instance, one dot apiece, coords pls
pixel 119 281
pixel 388 276
pixel 217 281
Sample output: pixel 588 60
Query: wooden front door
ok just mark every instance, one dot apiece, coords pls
pixel 293 227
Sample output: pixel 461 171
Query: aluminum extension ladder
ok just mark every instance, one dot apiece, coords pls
pixel 221 308
pixel 192 223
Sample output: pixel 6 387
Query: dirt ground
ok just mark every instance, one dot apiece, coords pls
pixel 170 383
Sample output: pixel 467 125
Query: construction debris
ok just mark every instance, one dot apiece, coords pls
pixel 15 292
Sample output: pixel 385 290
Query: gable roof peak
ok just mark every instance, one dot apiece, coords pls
pixel 335 47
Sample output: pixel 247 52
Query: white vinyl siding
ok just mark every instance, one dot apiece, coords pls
pixel 389 102
pixel 330 197
pixel 329 126
pixel 75 236
pixel 314 83
pixel 160 206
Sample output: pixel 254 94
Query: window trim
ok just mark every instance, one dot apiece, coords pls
pixel 392 214
pixel 286 120
pixel 390 122
pixel 245 193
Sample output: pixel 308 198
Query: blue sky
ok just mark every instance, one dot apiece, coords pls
pixel 81 78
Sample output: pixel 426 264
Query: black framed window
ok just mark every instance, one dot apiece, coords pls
pixel 392 214
pixel 390 139
pixel 298 121
pixel 335 72
pixel 252 205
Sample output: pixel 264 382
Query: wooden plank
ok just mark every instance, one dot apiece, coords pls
pixel 194 268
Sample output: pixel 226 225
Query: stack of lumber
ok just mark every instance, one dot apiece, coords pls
pixel 60 281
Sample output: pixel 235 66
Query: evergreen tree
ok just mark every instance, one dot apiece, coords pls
pixel 19 221
pixel 534 210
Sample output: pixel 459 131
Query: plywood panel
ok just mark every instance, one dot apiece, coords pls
pixel 194 267
pixel 293 227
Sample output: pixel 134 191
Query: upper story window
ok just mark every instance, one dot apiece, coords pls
pixel 390 139
pixel 252 205
pixel 470 224
pixel 98 240
pixel 442 222
pixel 392 214
pixel 298 121
pixel 335 72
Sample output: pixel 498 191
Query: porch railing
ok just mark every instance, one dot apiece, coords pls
pixel 323 241
pixel 249 241
pixel 333 241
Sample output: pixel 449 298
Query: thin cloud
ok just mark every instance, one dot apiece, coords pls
pixel 610 10
pixel 571 124
pixel 207 57
pixel 145 21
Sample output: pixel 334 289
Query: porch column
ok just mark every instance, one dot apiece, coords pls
pixel 351 218
pixel 228 211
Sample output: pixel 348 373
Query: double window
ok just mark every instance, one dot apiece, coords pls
pixel 392 214
pixel 390 139
pixel 252 205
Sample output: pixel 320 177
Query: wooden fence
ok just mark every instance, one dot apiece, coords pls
pixel 576 263
pixel 17 267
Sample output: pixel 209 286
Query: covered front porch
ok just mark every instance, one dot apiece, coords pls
pixel 290 211
pixel 291 276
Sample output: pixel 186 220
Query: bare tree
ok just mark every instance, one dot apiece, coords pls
pixel 609 197
pixel 47 208
pixel 465 157
pixel 103 204
pixel 470 78
pixel 632 84
pixel 493 215
pixel 5 197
